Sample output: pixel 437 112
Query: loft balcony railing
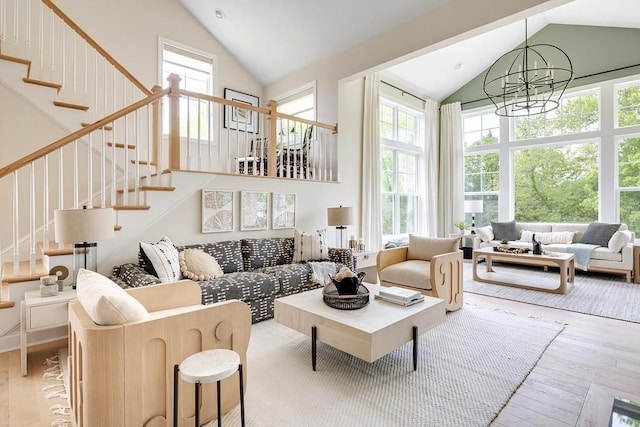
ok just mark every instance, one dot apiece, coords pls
pixel 110 162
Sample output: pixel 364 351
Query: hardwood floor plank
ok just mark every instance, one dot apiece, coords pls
pixel 519 415
pixel 548 408
pixel 539 380
pixel 4 397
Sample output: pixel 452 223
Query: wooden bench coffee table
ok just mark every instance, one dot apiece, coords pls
pixel 367 333
pixel 564 261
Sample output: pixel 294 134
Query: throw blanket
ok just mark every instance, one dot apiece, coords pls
pixel 322 271
pixel 582 253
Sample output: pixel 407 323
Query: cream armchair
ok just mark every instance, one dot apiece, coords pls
pixel 122 374
pixel 430 265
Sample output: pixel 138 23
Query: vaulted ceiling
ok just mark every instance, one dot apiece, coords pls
pixel 274 38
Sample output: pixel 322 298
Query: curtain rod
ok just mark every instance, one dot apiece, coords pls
pixel 403 91
pixel 576 78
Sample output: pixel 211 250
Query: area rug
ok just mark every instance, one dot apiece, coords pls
pixel 597 294
pixel 469 366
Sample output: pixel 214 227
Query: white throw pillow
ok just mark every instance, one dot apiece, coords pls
pixel 485 233
pixel 547 238
pixel 310 246
pixel 619 240
pixel 106 302
pixel 162 257
pixel 198 265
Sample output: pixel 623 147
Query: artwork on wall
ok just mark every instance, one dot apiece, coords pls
pixel 283 210
pixel 240 118
pixel 253 210
pixel 217 211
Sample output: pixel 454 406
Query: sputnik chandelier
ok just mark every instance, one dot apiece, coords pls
pixel 528 80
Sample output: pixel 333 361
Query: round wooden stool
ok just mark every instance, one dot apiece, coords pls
pixel 204 368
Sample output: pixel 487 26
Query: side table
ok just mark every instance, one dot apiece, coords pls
pixel 367 261
pixel 40 313
pixel 636 263
pixel 466 243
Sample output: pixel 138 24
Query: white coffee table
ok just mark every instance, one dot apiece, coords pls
pixel 367 333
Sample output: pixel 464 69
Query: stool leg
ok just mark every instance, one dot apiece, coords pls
pixel 219 406
pixel 176 369
pixel 198 403
pixel 241 395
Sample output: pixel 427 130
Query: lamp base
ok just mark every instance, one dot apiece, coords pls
pixel 85 255
pixel 341 228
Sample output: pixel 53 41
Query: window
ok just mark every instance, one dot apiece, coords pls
pixel 572 164
pixel 300 102
pixel 196 70
pixel 401 157
pixel 481 129
pixel 557 184
pixel 576 113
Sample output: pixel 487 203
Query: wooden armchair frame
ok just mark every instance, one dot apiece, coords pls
pixel 445 273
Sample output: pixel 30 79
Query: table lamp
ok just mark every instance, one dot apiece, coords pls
pixel 340 217
pixel 83 227
pixel 473 207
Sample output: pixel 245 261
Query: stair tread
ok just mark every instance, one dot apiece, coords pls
pixel 6 304
pixel 144 162
pixel 108 128
pixel 23 274
pixel 56 86
pixel 149 188
pixel 131 207
pixel 55 249
pixel 117 227
pixel 70 105
pixel 15 59
pixel 121 145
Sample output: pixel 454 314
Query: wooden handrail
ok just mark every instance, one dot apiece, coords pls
pixel 333 128
pixel 12 167
pixel 95 45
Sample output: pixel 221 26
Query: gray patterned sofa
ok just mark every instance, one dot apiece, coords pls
pixel 256 271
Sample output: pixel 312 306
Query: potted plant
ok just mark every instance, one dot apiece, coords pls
pixel 504 243
pixel 460 225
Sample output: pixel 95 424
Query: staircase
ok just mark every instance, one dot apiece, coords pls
pixel 118 153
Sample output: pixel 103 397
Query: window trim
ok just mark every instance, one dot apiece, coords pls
pixel 299 92
pixel 162 41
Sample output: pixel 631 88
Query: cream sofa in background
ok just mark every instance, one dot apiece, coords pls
pixel 122 374
pixel 605 259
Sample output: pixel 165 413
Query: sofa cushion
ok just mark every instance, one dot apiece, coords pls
pixel 619 240
pixel 161 259
pixel 413 273
pixel 485 233
pixel 291 278
pixel 132 276
pixel 599 233
pixel 227 253
pixel 245 286
pixel 606 254
pixel 259 253
pixel 310 246
pixel 106 302
pixel 504 230
pixel 565 237
pixel 425 248
pixel 198 265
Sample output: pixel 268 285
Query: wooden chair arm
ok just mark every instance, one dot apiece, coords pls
pixel 168 295
pixel 387 257
pixel 446 278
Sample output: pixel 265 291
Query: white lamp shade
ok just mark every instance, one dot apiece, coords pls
pixel 473 206
pixel 339 216
pixel 83 225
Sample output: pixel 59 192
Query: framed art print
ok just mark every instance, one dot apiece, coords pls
pixel 253 210
pixel 240 118
pixel 283 210
pixel 217 210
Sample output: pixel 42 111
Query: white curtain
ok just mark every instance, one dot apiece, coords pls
pixel 371 219
pixel 431 167
pixel 451 172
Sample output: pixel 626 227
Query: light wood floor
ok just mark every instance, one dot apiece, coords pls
pixel 592 360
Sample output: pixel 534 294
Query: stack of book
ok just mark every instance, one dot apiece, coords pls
pixel 399 296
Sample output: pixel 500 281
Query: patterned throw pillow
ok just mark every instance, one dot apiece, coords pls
pixel 198 265
pixel 310 246
pixel 547 238
pixel 161 259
